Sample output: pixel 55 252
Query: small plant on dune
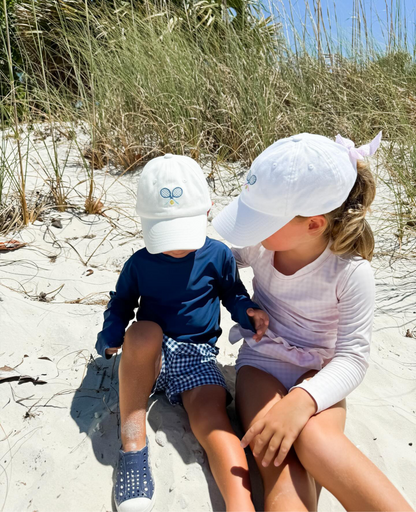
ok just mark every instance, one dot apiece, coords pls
pixel 21 188
pixel 400 162
pixel 54 178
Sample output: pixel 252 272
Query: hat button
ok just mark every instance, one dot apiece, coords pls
pixel 168 155
pixel 297 138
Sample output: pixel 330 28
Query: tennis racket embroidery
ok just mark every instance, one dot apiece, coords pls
pixel 172 196
pixel 251 180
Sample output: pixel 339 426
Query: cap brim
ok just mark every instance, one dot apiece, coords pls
pixel 242 226
pixel 180 233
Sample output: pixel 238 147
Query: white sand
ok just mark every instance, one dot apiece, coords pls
pixel 59 440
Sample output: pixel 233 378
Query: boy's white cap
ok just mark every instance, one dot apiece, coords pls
pixel 303 175
pixel 173 201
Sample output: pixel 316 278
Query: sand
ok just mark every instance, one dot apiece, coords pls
pixel 59 434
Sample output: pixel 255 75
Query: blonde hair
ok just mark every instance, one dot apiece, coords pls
pixel 347 227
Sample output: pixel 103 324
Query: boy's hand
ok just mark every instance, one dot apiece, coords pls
pixel 260 320
pixel 111 351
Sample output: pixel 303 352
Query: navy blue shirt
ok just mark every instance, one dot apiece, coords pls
pixel 182 295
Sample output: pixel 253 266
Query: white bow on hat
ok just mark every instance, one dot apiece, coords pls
pixel 361 152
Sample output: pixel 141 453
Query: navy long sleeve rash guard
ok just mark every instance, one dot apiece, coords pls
pixel 182 295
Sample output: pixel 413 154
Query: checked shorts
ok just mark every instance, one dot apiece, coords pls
pixel 186 366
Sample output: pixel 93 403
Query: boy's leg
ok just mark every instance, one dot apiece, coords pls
pixel 206 408
pixel 287 487
pixel 338 465
pixel 139 368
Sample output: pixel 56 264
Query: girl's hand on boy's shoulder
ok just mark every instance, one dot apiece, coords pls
pixel 275 433
pixel 260 320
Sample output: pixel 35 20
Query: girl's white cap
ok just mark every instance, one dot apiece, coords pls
pixel 173 200
pixel 304 175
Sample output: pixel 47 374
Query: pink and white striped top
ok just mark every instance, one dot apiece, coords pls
pixel 320 318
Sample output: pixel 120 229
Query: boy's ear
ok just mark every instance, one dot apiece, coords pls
pixel 317 225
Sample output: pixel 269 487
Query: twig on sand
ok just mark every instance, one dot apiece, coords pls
pixel 37 404
pixel 79 255
pixel 8 374
pixel 108 408
pixel 88 301
pixel 102 241
pixel 43 297
pixel 85 263
pixel 11 245
pixel 102 379
pixel 6 436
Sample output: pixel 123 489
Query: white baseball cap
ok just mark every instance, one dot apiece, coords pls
pixel 173 200
pixel 304 175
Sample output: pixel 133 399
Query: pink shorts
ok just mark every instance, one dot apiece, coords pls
pixel 286 373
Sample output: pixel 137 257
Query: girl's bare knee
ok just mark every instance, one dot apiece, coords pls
pixel 316 443
pixel 322 430
pixel 143 336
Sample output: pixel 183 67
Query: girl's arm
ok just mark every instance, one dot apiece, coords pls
pixel 280 427
pixel 347 368
pixel 120 310
pixel 244 255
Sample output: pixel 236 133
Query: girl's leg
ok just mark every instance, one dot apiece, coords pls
pixel 206 408
pixel 287 487
pixel 139 367
pixel 330 457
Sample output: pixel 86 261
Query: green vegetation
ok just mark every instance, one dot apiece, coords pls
pixel 218 84
pixel 11 18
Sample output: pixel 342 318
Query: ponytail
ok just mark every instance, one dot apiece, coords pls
pixel 347 228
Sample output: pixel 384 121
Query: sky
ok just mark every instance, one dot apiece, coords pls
pixel 377 13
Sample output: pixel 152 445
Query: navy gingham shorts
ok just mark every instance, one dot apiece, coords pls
pixel 186 366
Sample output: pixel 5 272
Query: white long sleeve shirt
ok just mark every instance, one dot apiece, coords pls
pixel 320 318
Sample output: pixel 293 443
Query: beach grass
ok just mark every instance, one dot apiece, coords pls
pixel 203 82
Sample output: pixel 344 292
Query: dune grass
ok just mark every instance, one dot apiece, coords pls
pixel 187 80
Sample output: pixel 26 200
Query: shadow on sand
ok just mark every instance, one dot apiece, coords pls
pixel 95 410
